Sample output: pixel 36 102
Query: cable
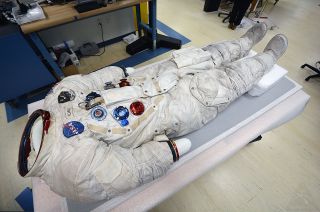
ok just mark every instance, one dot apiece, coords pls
pixel 104 47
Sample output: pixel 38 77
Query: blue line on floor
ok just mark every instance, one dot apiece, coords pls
pixel 171 33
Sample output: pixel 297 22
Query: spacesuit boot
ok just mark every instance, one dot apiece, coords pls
pixel 277 46
pixel 256 33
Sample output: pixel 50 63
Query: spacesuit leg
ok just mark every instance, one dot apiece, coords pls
pixel 244 73
pixel 229 51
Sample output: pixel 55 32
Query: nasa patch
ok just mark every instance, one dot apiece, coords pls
pixel 72 128
pixel 98 113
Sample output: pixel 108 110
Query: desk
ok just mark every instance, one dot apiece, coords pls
pixel 62 14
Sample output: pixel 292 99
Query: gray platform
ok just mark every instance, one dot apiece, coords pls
pixel 236 114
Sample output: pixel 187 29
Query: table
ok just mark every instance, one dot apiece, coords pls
pixel 62 14
pixel 280 104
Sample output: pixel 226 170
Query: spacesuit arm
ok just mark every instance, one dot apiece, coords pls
pixel 115 170
pixel 80 85
pixel 93 81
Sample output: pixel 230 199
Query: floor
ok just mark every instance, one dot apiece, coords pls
pixel 279 173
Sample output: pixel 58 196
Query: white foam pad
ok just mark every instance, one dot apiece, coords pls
pixel 267 81
pixel 183 145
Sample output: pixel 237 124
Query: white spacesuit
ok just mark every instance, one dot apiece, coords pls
pixel 98 140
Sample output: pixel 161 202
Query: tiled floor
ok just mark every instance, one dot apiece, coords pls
pixel 280 173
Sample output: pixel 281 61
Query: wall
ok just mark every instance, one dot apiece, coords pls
pixel 115 24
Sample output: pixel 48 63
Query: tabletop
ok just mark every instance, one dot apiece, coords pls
pixel 61 14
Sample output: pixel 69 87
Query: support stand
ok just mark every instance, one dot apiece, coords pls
pixel 145 42
pixel 151 39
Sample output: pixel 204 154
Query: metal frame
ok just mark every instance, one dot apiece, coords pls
pixel 152 26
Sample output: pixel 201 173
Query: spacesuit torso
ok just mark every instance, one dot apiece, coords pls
pixel 175 103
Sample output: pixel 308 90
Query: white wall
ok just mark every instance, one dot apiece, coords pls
pixel 115 24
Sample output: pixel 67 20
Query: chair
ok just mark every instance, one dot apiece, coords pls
pixel 317 70
pixel 226 13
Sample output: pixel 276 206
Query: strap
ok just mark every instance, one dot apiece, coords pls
pixel 104 130
pixel 156 85
pixel 147 113
pixel 98 129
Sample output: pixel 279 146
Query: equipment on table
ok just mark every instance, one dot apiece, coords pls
pixel 27 12
pixel 87 5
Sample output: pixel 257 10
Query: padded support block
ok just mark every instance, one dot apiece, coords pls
pixel 268 81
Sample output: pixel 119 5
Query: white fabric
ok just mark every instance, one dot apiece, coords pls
pixel 190 56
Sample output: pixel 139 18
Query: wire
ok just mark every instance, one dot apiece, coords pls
pixel 104 47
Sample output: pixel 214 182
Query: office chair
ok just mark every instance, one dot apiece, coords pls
pixel 317 70
pixel 226 13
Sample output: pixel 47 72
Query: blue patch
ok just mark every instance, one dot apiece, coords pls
pixel 98 113
pixel 124 122
pixel 72 128
pixel 121 114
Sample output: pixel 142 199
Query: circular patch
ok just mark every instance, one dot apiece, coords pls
pixel 98 113
pixel 124 122
pixel 72 128
pixel 137 108
pixel 121 113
